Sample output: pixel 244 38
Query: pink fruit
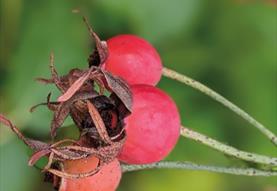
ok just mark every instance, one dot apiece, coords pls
pixel 107 179
pixel 152 129
pixel 133 59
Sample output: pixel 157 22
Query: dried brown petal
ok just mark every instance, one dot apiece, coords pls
pixel 101 46
pixel 59 116
pixel 119 87
pixel 45 80
pixel 37 155
pixel 75 86
pixel 33 144
pixel 99 123
pixel 65 154
pixel 51 105
pixel 63 174
pixel 65 108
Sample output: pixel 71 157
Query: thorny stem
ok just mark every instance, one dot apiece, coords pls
pixel 198 167
pixel 211 93
pixel 228 150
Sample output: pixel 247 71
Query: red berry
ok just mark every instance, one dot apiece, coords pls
pixel 107 179
pixel 153 127
pixel 133 59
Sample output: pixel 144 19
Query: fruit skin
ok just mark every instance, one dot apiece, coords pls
pixel 107 179
pixel 133 59
pixel 152 129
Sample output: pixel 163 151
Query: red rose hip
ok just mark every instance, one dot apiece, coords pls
pixel 107 179
pixel 133 59
pixel 152 129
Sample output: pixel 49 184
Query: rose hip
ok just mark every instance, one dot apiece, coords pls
pixel 153 127
pixel 107 179
pixel 133 59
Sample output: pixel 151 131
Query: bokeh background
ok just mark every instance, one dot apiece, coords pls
pixel 231 46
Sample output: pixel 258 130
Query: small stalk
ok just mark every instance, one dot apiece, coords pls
pixel 199 167
pixel 214 95
pixel 228 150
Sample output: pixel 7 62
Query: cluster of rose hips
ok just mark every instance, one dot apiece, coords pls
pixel 152 128
pixel 140 127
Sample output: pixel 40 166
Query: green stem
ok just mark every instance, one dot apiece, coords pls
pixel 198 167
pixel 228 150
pixel 204 89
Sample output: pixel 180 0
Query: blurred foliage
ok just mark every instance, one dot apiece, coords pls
pixel 229 45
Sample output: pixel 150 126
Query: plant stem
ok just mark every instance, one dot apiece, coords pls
pixel 193 166
pixel 228 150
pixel 211 93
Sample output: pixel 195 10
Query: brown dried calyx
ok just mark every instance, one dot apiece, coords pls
pixel 98 117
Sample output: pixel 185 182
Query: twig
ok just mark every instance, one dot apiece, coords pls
pixel 228 150
pixel 211 93
pixel 198 167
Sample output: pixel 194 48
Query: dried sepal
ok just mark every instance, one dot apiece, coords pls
pixel 64 109
pixel 51 105
pixel 64 174
pixel 112 83
pixel 57 151
pixel 101 52
pixel 54 74
pixel 33 144
pixel 99 123
pixel 120 88
pixel 59 116
pixel 99 118
pixel 44 80
pixel 75 86
pixel 38 155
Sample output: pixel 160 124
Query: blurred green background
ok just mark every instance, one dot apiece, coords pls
pixel 231 46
